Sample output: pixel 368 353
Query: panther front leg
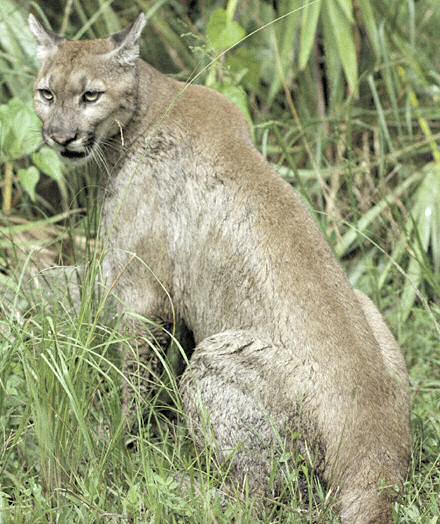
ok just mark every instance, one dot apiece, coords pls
pixel 145 320
pixel 142 357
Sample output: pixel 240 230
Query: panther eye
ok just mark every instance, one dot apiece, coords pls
pixel 46 95
pixel 91 96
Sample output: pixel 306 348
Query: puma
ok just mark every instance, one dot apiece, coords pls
pixel 199 230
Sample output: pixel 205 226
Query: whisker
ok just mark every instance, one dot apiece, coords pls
pixel 111 144
pixel 96 158
pixel 99 157
pixel 110 168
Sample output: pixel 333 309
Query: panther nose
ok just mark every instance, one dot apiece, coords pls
pixel 64 138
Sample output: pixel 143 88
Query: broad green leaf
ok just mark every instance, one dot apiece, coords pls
pixel 426 201
pixel 435 236
pixel 19 130
pixel 237 95
pixel 28 180
pixel 413 278
pixel 370 25
pixel 347 8
pixel 17 47
pixel 283 43
pixel 49 162
pixel 6 136
pixel 26 126
pixel 333 67
pixel 246 63
pixel 15 36
pixel 342 32
pixel 223 33
pixel 309 23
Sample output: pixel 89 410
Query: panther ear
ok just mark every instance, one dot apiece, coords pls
pixel 126 42
pixel 47 41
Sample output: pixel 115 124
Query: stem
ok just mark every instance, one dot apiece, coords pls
pixel 67 13
pixel 230 9
pixel 212 76
pixel 7 189
pixel 423 123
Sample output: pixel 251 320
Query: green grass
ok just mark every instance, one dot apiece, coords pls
pixel 353 128
pixel 66 455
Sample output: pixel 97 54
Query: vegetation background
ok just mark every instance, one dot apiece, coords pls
pixel 343 99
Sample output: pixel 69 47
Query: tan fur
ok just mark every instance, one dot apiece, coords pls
pixel 199 230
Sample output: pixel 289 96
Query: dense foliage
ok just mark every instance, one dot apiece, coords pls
pixel 342 97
